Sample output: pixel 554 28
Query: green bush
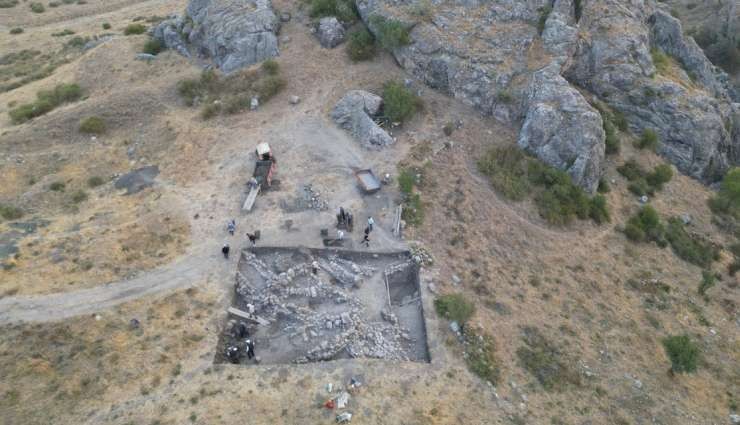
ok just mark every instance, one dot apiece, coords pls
pixel 683 353
pixel 660 60
pixel 361 45
pixel 10 212
pixel 599 210
pixel 343 10
pixel 631 170
pixel 544 14
pixel 46 100
pixel 660 175
pixel 57 186
pixel 620 120
pixel 391 34
pixel 79 196
pixel 54 4
pixel 707 281
pixel 92 125
pixel 611 140
pixel 603 186
pixel 210 110
pixel 134 29
pixel 504 96
pixel 454 307
pixel 399 103
pixel 560 203
pixel 269 87
pixel 95 181
pixel 16 30
pixel 722 49
pixel 413 209
pixel 645 226
pixel 77 42
pixel 63 33
pixel 152 46
pixel 687 247
pixel 506 168
pixel 727 200
pixel 406 181
pixel 642 182
pixel 540 357
pixel 37 8
pixel 480 350
pixel 7 4
pixel 271 67
pixel 649 140
pixel 106 26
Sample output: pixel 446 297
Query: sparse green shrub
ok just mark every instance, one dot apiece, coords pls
pixel 660 175
pixel 649 140
pixel 406 181
pixel 599 210
pixel 153 46
pixel 689 248
pixel 391 34
pixel 722 49
pixel 134 29
pixel 413 209
pixel 46 100
pixel 660 60
pixel 54 4
pixel 707 281
pixel 642 182
pixel 645 226
pixel 191 89
pixel 79 196
pixel 269 87
pixel 361 45
pixel 620 120
pixel 92 125
pixel 611 140
pixel 515 175
pixel 16 30
pixel 399 103
pixel 503 96
pixel 106 26
pixel 683 353
pixel 631 170
pixel 540 357
pixel 63 33
pixel 727 200
pixel 271 67
pixel 95 181
pixel 37 8
pixel 603 186
pixel 77 42
pixel 454 307
pixel 544 14
pixel 7 4
pixel 480 355
pixel 10 212
pixel 57 186
pixel 210 110
pixel 343 10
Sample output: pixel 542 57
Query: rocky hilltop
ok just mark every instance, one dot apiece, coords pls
pixel 534 64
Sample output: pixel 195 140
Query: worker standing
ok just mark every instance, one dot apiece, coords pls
pixel 250 348
pixel 370 223
pixel 225 250
pixel 231 227
pixel 252 238
pixel 340 235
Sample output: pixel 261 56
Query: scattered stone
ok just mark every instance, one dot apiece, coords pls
pixel 330 32
pixel 455 327
pixel 134 324
pixel 145 57
pixel 456 279
pixel 254 103
pixel 643 199
pixel 285 17
pixel 342 400
pixel 734 419
pixel 137 180
pixel 344 418
pixel 294 100
pixel 686 218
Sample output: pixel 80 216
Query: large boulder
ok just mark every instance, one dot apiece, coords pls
pixel 562 129
pixel 616 64
pixel 355 111
pixel 232 33
pixel 330 32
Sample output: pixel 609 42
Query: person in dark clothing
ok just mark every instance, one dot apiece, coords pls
pixel 349 221
pixel 250 348
pixel 252 238
pixel 241 330
pixel 366 239
pixel 232 353
pixel 231 227
pixel 225 251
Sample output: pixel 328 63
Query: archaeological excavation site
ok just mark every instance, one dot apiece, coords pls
pixel 301 305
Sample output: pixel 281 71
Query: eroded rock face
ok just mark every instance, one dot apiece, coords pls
pixel 354 113
pixel 562 129
pixel 615 63
pixel 330 32
pixel 232 33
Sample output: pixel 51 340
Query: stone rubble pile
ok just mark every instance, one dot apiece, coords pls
pixel 333 322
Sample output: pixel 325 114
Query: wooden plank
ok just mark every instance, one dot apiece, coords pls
pixel 249 202
pixel 247 316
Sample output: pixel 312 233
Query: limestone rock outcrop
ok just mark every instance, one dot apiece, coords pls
pixel 355 111
pixel 232 33
pixel 330 32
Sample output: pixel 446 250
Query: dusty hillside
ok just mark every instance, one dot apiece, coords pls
pixel 577 312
